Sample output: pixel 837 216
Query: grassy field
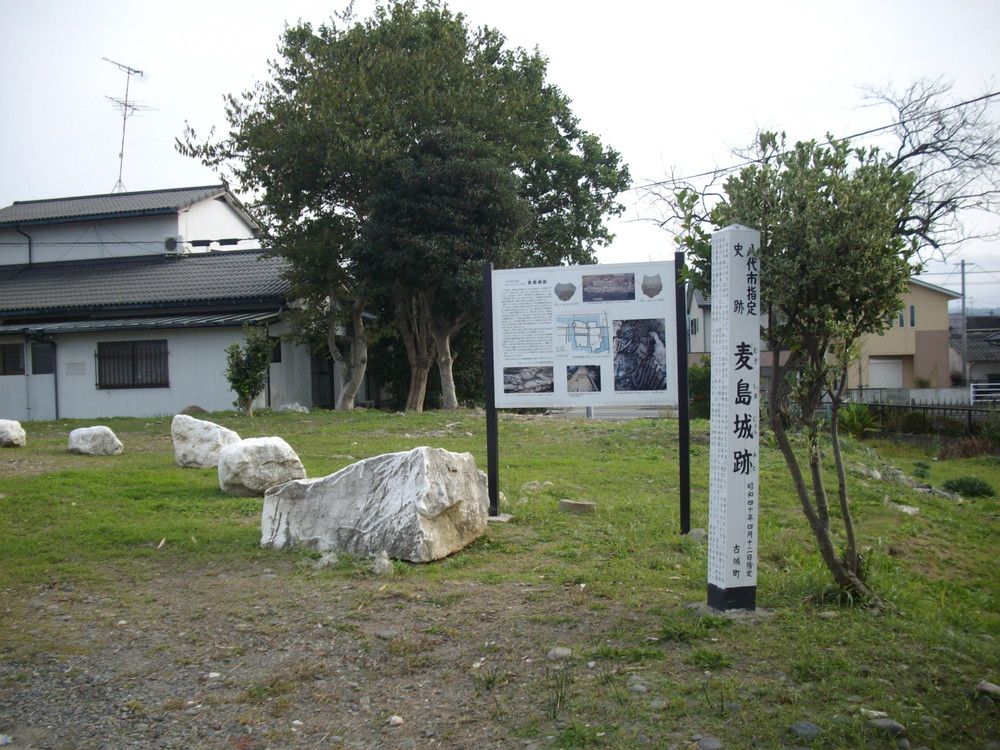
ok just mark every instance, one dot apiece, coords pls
pixel 81 521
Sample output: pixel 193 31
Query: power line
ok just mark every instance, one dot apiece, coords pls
pixel 871 131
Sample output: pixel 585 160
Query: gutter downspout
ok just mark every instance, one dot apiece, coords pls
pixel 26 355
pixel 30 241
pixel 55 375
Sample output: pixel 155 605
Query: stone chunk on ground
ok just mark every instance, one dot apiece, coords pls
pixel 11 434
pixel 197 443
pixel 251 466
pixel 95 441
pixel 419 506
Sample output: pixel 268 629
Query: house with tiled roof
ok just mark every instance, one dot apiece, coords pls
pixel 911 352
pixel 124 304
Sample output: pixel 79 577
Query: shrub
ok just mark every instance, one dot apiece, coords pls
pixel 856 419
pixel 969 447
pixel 970 487
pixel 246 367
pixel 990 428
pixel 700 390
pixel 947 426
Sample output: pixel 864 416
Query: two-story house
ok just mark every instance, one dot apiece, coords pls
pixel 123 305
pixel 912 352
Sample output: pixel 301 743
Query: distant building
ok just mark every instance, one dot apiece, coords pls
pixel 123 305
pixel 914 351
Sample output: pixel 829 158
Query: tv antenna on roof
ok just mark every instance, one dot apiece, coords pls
pixel 127 108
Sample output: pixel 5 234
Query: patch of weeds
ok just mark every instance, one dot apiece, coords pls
pixel 921 469
pixel 716 704
pixel 817 668
pixel 343 627
pixel 552 619
pixel 685 626
pixel 577 735
pixel 558 686
pixel 249 507
pixel 490 674
pixel 836 596
pixel 627 654
pixel 710 659
pixel 281 683
pixel 441 630
pixel 498 713
pixel 445 600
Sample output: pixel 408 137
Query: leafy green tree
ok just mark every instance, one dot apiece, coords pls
pixel 446 207
pixel 247 366
pixel 833 268
pixel 354 102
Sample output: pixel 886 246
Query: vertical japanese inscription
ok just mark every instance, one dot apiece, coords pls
pixel 735 440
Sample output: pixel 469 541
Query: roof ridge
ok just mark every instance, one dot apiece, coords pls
pixel 221 186
pixel 151 258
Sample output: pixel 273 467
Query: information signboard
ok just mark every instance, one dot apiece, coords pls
pixel 599 335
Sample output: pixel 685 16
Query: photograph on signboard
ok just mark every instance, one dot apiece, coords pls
pixel 609 287
pixel 640 356
pixel 651 285
pixel 583 378
pixel 565 291
pixel 528 380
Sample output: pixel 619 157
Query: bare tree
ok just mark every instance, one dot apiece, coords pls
pixel 953 149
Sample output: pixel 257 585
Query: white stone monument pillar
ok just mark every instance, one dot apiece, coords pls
pixel 735 439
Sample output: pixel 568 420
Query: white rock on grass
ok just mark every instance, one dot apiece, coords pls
pixel 295 406
pixel 197 443
pixel 421 505
pixel 252 466
pixel 11 434
pixel 95 441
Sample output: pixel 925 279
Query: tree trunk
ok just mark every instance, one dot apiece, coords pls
pixel 851 559
pixel 414 327
pixel 352 368
pixel 442 331
pixel 817 515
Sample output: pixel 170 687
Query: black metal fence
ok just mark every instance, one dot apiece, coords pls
pixel 947 421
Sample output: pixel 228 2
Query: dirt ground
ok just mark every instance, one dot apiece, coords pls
pixel 290 657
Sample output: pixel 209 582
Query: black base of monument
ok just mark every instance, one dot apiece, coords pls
pixel 723 600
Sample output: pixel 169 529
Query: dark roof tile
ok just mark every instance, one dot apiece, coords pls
pixel 159 280
pixel 111 205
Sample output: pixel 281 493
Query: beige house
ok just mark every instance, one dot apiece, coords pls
pixel 912 353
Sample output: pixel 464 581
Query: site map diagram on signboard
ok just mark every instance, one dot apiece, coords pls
pixel 582 334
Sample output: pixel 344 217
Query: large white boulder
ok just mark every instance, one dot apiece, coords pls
pixel 197 443
pixel 95 441
pixel 11 434
pixel 419 506
pixel 249 467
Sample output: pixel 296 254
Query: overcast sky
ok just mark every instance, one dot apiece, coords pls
pixel 673 86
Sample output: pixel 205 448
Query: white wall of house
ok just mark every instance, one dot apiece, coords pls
pixel 116 238
pixel 291 379
pixel 196 361
pixel 87 240
pixel 214 220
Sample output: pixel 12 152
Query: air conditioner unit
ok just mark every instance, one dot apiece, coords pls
pixel 173 243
